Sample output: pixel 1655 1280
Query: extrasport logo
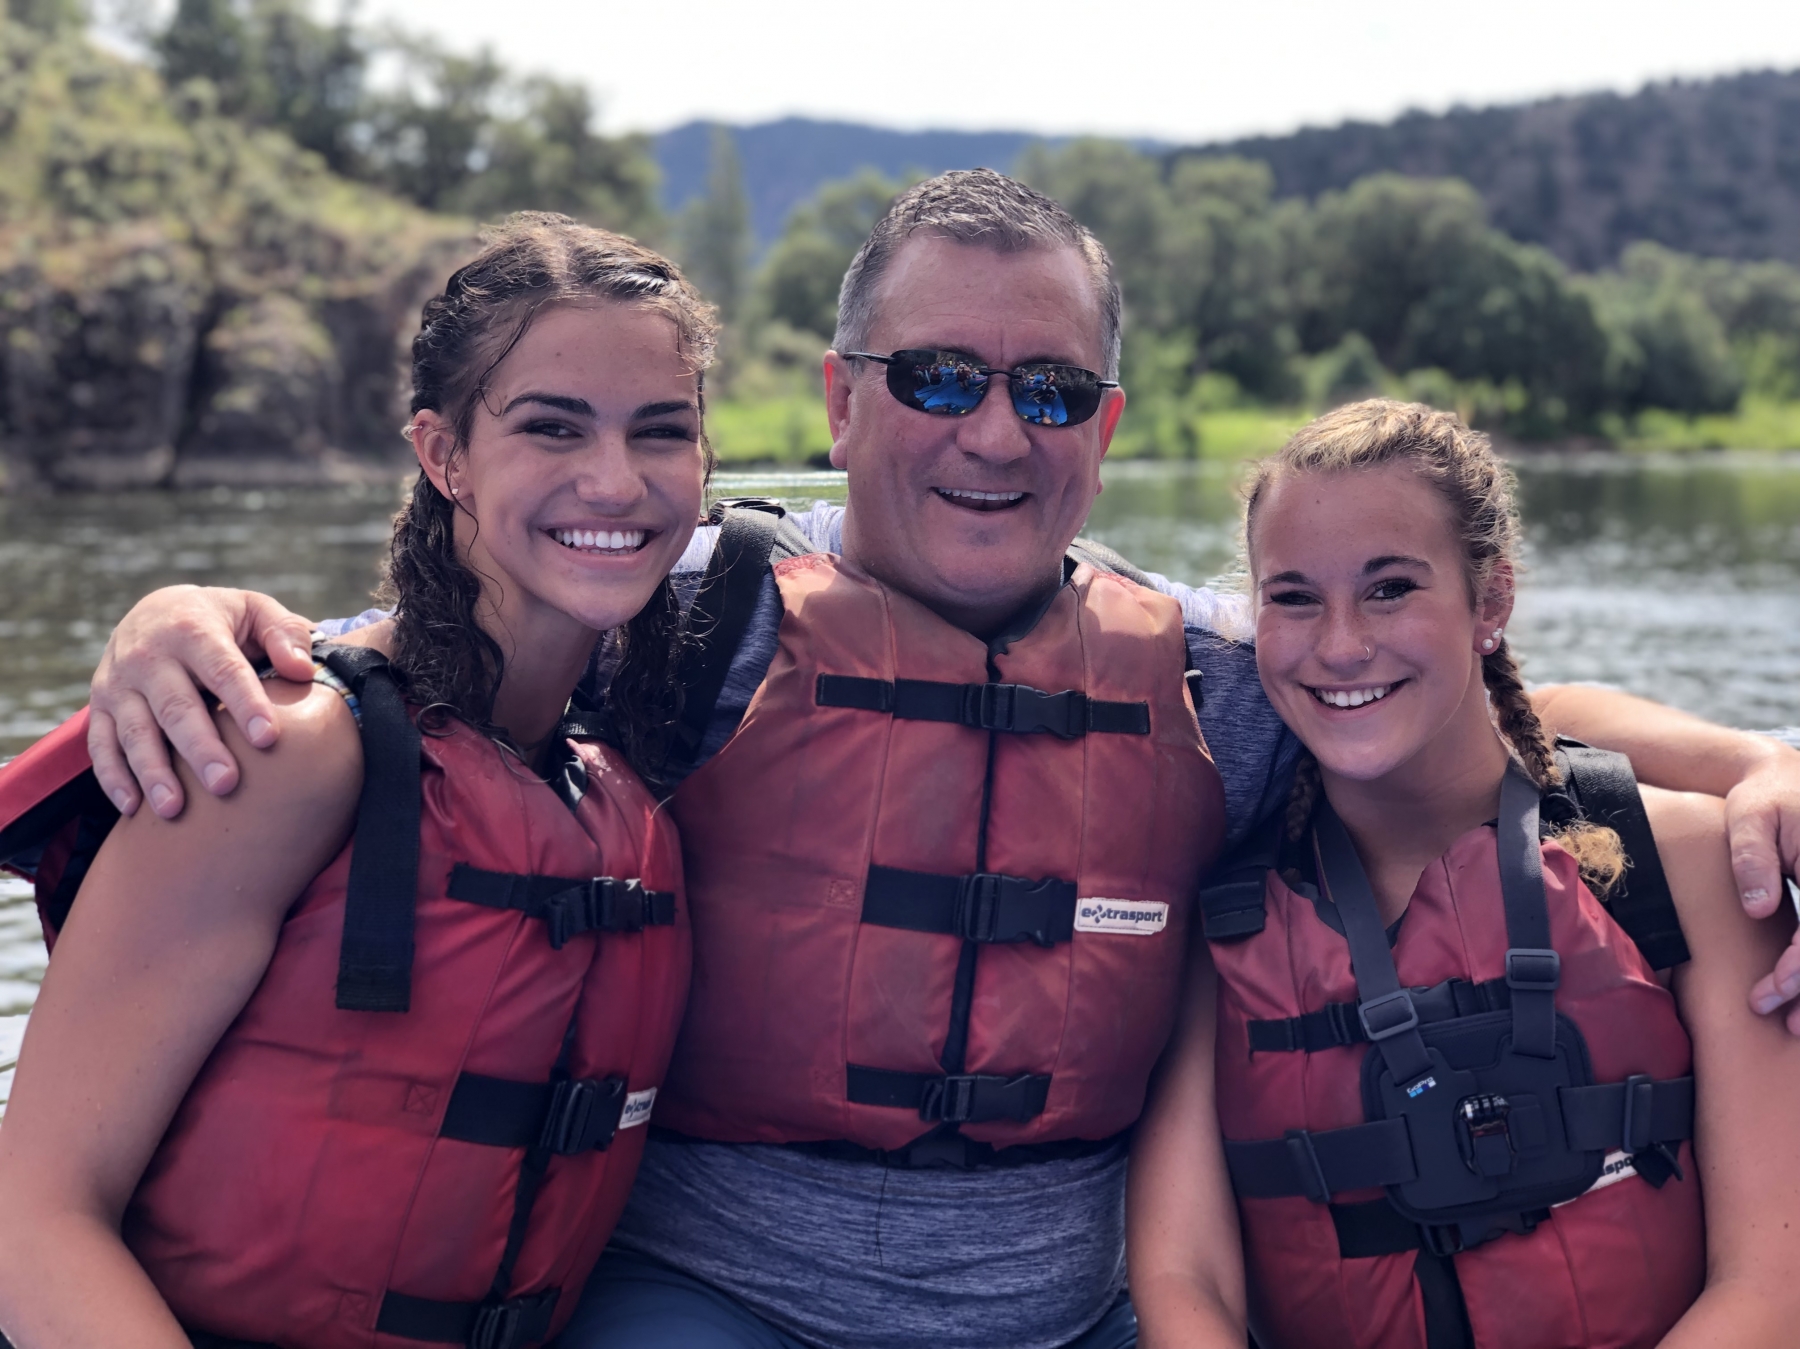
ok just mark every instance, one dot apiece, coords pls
pixel 637 1108
pixel 1140 917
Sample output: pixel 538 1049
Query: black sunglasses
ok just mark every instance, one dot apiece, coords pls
pixel 952 384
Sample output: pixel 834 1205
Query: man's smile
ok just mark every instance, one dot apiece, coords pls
pixel 970 499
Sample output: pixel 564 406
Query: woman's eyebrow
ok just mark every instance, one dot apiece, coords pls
pixel 561 402
pixel 1284 578
pixel 1376 564
pixel 664 409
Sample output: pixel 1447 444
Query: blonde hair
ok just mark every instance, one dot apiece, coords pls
pixel 1460 464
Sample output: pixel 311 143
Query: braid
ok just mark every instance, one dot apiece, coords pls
pixel 1303 797
pixel 1517 719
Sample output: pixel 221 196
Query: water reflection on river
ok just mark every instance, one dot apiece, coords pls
pixel 1679 579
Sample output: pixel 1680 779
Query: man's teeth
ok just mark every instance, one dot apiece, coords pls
pixel 981 496
pixel 1351 697
pixel 612 541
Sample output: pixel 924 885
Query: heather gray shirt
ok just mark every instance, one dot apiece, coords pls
pixel 852 1255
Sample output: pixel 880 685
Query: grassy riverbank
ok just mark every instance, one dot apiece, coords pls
pixel 791 430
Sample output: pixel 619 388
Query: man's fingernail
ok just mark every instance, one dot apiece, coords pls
pixel 121 800
pixel 212 775
pixel 301 651
pixel 161 796
pixel 1756 896
pixel 1789 987
pixel 259 731
pixel 1767 1003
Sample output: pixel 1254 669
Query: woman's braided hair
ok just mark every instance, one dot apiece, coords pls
pixel 1478 487
pixel 530 262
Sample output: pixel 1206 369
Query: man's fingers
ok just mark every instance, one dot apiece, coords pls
pixel 235 684
pixel 146 755
pixel 285 637
pixel 110 768
pixel 1782 984
pixel 1755 861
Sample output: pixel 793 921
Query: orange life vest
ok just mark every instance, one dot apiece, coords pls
pixel 938 886
pixel 1504 1194
pixel 439 1156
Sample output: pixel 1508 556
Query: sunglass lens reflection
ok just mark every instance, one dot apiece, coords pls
pixel 937 381
pixel 1045 395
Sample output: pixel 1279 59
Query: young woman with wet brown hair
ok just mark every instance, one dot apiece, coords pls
pixel 1458 1072
pixel 204 1140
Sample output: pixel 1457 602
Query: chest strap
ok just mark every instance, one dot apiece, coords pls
pixel 566 1117
pixel 984 907
pixel 568 906
pixel 1336 1023
pixel 1636 1115
pixel 958 1098
pixel 1015 708
pixel 510 1324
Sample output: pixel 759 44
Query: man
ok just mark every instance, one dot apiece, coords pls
pixel 975 1199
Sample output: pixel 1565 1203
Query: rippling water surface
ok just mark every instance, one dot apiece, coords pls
pixel 1678 579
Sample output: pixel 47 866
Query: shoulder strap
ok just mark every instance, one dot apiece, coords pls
pixel 753 534
pixel 375 956
pixel 1101 558
pixel 1605 791
pixel 1232 901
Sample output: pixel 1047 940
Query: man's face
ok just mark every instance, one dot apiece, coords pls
pixel 974 560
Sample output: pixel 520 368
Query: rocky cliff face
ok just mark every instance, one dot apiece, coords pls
pixel 186 302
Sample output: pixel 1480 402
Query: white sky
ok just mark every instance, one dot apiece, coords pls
pixel 1179 72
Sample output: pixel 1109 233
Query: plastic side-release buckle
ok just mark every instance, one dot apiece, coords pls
pixel 1533 970
pixel 599 904
pixel 1387 1016
pixel 966 1098
pixel 1022 710
pixel 514 1323
pixel 994 908
pixel 1640 1100
pixel 584 1115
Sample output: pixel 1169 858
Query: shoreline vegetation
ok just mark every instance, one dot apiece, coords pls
pixel 213 256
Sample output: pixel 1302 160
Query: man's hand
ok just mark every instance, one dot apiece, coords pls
pixel 171 641
pixel 1759 777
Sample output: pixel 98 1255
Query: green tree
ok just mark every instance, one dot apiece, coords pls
pixel 1673 351
pixel 714 230
pixel 799 280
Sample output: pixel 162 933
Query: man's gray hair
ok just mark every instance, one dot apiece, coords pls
pixel 989 210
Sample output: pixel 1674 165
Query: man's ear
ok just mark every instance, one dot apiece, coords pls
pixel 1112 407
pixel 837 403
pixel 434 442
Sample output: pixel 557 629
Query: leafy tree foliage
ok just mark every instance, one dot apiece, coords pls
pixel 714 230
pixel 798 283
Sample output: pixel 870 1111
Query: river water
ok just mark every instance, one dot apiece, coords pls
pixel 1675 578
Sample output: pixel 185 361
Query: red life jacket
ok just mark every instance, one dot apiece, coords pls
pixel 937 885
pixel 1498 1194
pixel 441 1155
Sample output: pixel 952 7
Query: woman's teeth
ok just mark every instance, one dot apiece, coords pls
pixel 981 496
pixel 601 540
pixel 1351 697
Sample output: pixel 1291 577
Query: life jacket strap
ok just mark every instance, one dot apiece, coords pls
pixel 509 1324
pixel 1336 1023
pixel 984 907
pixel 566 1117
pixel 955 1098
pixel 569 906
pixel 1378 1228
pixel 1017 709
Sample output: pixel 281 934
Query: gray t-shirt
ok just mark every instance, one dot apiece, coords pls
pixel 1025 1257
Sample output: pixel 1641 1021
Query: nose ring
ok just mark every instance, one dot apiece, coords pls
pixel 1368 652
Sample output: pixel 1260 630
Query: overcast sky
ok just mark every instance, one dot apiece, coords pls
pixel 1175 71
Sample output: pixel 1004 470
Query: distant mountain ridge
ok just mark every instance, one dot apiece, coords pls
pixel 1706 166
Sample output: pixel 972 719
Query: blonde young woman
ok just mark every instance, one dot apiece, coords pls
pixel 1461 1064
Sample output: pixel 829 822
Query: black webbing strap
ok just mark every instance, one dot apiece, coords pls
pixel 1233 900
pixel 511 1324
pixel 1384 1008
pixel 569 906
pixel 1335 1024
pixel 1606 792
pixel 376 955
pixel 1015 708
pixel 1533 969
pixel 1321 1164
pixel 1633 1115
pixel 720 615
pixel 200 1339
pixel 959 1098
pixel 565 1117
pixel 985 907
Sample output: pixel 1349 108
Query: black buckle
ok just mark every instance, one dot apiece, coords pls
pixel 584 1115
pixel 1640 1099
pixel 983 913
pixel 1533 970
pixel 601 903
pixel 1343 1030
pixel 1021 709
pixel 964 1098
pixel 1441 1240
pixel 514 1323
pixel 1387 1016
pixel 1306 1163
